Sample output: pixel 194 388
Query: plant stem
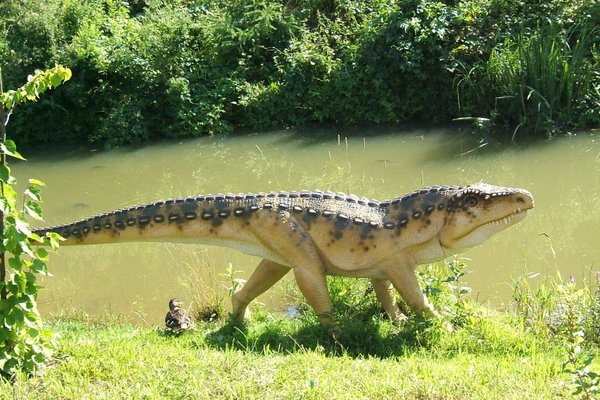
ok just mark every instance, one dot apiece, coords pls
pixel 3 122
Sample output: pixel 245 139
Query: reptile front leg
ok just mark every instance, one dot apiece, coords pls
pixel 405 281
pixel 385 293
pixel 313 285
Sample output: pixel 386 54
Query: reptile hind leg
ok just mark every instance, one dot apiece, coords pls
pixel 266 275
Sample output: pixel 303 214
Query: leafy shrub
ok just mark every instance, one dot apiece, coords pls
pixel 152 69
pixel 25 345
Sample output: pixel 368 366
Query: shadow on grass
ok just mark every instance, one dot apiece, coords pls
pixel 372 336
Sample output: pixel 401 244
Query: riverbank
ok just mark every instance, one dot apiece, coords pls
pixel 544 348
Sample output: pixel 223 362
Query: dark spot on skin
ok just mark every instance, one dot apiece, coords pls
pixel 223 213
pixel 389 225
pixel 131 221
pixel 364 231
pixel 86 230
pixel 66 233
pixel 366 248
pixel 120 224
pixel 341 223
pixel 308 218
pixel 441 206
pixel 216 222
pixel 338 234
pixel 190 215
pixel 403 220
pixel 429 208
pixel 428 221
pixel 97 227
pixel 108 225
pixel 143 220
pixel 416 214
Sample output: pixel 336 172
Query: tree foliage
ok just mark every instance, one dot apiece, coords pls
pixel 154 69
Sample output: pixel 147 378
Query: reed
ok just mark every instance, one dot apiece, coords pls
pixel 541 81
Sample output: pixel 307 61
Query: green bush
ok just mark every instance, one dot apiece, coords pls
pixel 184 68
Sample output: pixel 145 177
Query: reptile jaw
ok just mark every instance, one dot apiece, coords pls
pixel 506 220
pixel 484 231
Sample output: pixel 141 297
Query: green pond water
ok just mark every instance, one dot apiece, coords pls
pixel 136 280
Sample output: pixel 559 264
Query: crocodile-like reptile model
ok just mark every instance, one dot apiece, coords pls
pixel 317 233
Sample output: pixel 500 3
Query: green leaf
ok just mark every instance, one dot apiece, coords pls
pixel 41 254
pixel 22 226
pixel 32 193
pixel 36 182
pixel 15 263
pixel 4 173
pixel 10 148
pixel 34 210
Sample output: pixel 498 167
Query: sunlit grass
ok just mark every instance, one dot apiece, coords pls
pixel 488 354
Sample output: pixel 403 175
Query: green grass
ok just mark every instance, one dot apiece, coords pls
pixel 112 360
pixel 489 354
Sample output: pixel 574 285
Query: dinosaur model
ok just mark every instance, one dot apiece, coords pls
pixel 316 233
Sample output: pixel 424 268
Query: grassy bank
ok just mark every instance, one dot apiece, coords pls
pixel 109 361
pixel 545 348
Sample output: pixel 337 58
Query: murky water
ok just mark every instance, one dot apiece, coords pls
pixel 136 280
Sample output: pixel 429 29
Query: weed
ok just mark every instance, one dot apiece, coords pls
pixel 585 382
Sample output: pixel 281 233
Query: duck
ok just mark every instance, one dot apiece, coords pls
pixel 177 319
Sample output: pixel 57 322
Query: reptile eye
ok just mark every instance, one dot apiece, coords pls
pixel 471 201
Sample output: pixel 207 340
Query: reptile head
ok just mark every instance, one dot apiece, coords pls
pixel 477 212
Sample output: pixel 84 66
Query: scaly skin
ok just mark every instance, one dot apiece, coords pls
pixel 319 233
